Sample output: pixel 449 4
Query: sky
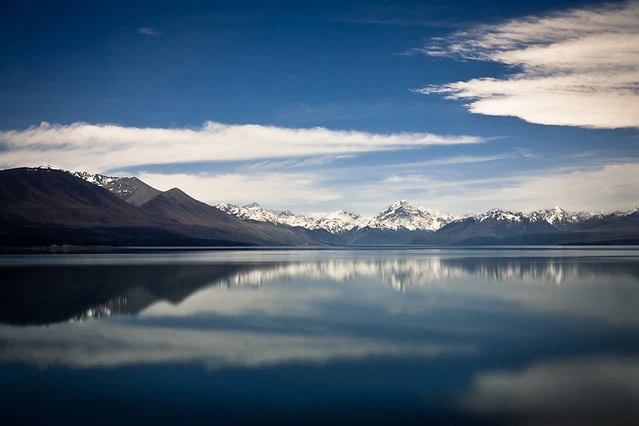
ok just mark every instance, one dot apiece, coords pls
pixel 456 106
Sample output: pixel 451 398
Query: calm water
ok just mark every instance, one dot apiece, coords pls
pixel 476 336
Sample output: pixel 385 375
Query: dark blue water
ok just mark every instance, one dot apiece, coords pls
pixel 533 336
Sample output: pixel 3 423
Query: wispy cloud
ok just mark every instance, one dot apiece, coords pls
pixel 272 189
pixel 101 147
pixel 148 31
pixel 607 187
pixel 574 68
pixel 297 163
pixel 111 344
pixel 460 159
pixel 398 15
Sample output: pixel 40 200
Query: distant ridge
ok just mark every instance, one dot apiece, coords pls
pixel 42 206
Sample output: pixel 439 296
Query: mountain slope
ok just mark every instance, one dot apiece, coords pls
pixel 486 228
pixel 130 189
pixel 41 196
pixel 554 226
pixel 211 222
pixel 46 206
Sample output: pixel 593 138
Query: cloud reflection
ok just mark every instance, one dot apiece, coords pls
pixel 590 391
pixel 104 344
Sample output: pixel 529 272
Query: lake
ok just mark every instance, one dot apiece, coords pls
pixel 533 336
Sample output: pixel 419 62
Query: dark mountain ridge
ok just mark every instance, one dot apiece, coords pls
pixel 43 206
pixel 508 228
pixel 47 206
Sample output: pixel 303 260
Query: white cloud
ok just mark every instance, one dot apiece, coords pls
pixel 461 159
pixel 284 190
pixel 101 147
pixel 576 68
pixel 296 163
pixel 148 31
pixel 609 187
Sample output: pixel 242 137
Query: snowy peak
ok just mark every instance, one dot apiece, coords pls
pixel 398 216
pixel 500 216
pixel 97 179
pixel 130 189
pixel 630 212
pixel 401 215
pixel 253 211
pixel 341 221
pixel 555 216
pixel 559 217
pixel 344 215
pixel 335 223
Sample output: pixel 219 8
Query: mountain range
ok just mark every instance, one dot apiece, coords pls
pixel 44 206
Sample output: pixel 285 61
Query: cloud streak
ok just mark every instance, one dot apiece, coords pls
pixel 274 189
pixel 607 187
pixel 148 31
pixel 574 68
pixel 112 345
pixel 101 147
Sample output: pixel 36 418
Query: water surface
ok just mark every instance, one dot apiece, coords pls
pixel 430 336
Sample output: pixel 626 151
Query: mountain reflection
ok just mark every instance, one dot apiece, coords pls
pixel 49 294
pixel 485 340
pixel 403 274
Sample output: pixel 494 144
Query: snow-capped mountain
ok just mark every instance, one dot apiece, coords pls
pixel 499 216
pixel 559 217
pixel 334 223
pixel 402 215
pixel 556 217
pixel 399 216
pixel 130 189
pixel 255 212
pixel 342 221
pixel 98 179
pixel 398 224
pixel 630 212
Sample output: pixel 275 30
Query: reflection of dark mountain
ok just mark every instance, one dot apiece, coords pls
pixel 49 294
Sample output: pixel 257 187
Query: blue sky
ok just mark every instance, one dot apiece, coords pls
pixel 317 106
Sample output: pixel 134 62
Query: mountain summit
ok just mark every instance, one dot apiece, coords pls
pixel 401 215
pixel 398 216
